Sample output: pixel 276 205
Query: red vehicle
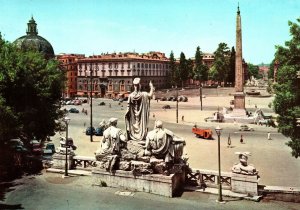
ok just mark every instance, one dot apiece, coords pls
pixel 202 133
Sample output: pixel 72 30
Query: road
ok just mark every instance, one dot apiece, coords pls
pixel 50 191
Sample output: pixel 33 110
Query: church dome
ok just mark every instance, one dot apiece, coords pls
pixel 33 41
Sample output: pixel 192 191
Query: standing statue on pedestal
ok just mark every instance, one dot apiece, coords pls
pixel 138 110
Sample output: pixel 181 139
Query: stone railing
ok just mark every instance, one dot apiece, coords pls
pixel 208 178
pixel 83 162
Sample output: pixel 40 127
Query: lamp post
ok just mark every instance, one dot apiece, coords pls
pixel 91 105
pixel 66 120
pixel 176 104
pixel 220 199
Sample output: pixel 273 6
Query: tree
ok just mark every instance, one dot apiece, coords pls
pixel 30 90
pixel 172 73
pixel 253 70
pixel 271 70
pixel 200 71
pixel 183 68
pixel 231 73
pixel 221 62
pixel 287 90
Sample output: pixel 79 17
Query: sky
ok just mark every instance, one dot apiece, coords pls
pixel 100 26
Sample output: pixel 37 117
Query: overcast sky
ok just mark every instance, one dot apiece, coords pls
pixel 96 26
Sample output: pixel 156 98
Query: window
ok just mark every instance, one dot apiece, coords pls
pixel 116 65
pixel 129 65
pixel 138 65
pixel 110 65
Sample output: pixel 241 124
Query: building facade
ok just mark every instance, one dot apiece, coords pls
pixel 112 74
pixel 68 63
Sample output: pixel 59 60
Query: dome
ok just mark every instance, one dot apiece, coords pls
pixel 33 41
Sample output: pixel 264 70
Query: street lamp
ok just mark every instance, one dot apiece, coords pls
pixel 66 120
pixel 220 199
pixel 176 104
pixel 91 105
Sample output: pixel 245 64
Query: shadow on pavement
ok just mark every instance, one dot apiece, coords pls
pixel 13 206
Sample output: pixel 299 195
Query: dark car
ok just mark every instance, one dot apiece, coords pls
pixel 73 110
pixel 102 103
pixel 99 132
pixel 50 146
pixel 17 145
pixel 166 107
pixel 163 98
pixel 89 131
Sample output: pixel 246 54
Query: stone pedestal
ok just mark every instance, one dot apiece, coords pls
pixel 151 183
pixel 239 100
pixel 59 161
pixel 246 184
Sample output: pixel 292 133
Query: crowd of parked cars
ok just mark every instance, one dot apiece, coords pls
pixel 173 98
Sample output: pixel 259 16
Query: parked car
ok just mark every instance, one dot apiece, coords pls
pixel 99 132
pixel 84 101
pixel 36 147
pixel 51 147
pixel 70 143
pixel 77 102
pixel 73 110
pixel 17 145
pixel 163 98
pixel 166 106
pixel 102 103
pixel 245 128
pixel 70 103
pixel 89 131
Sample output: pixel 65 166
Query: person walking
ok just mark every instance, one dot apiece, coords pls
pixel 182 118
pixel 269 136
pixel 241 140
pixel 229 141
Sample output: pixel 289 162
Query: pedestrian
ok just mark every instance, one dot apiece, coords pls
pixel 109 105
pixel 269 136
pixel 182 118
pixel 157 100
pixel 255 106
pixel 229 141
pixel 242 140
pixel 84 124
pixel 153 115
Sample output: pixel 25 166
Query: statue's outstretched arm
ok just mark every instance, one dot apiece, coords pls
pixel 152 89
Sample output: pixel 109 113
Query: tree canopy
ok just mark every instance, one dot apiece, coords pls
pixel 30 90
pixel 200 69
pixel 287 89
pixel 253 71
pixel 221 66
pixel 184 71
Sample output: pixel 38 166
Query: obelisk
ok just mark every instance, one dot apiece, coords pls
pixel 239 95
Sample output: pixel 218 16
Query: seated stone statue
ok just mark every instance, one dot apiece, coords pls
pixel 161 144
pixel 110 146
pixel 242 167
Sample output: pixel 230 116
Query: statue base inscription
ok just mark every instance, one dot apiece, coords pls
pixel 158 184
pixel 246 184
